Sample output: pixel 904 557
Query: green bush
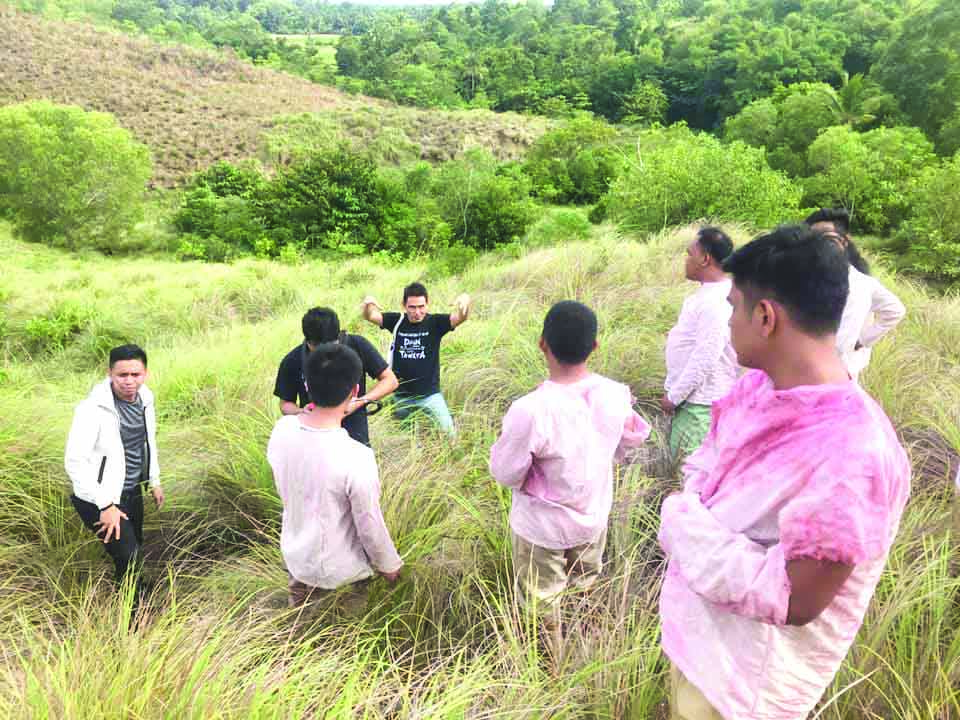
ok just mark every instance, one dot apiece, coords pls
pixel 56 329
pixel 69 177
pixel 869 173
pixel 559 226
pixel 486 204
pixel 931 237
pixel 681 176
pixel 574 163
pixel 325 201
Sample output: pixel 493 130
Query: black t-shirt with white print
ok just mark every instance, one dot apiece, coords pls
pixel 416 352
pixel 291 387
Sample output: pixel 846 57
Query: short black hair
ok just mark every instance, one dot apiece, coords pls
pixel 715 242
pixel 127 352
pixel 800 269
pixel 415 290
pixel 570 331
pixel 838 217
pixel 320 325
pixel 332 371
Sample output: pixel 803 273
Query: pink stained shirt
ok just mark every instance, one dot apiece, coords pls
pixel 811 472
pixel 556 453
pixel 701 362
pixel 332 531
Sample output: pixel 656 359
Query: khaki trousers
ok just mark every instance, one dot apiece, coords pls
pixel 686 701
pixel 542 574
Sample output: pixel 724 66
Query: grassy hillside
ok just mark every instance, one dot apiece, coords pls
pixel 447 641
pixel 193 107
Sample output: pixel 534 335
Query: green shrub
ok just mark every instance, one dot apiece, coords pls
pixel 453 260
pixel 931 237
pixel 486 204
pixel 681 176
pixel 559 226
pixel 574 163
pixel 869 173
pixel 56 329
pixel 69 177
pixel 324 199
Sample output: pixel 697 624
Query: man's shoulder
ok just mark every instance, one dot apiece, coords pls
pixel 285 425
pixel 293 356
pixel 440 321
pixel 358 343
pixel 357 459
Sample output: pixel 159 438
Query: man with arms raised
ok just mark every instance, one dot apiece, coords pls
pixel 321 325
pixel 701 363
pixel 415 351
pixel 789 507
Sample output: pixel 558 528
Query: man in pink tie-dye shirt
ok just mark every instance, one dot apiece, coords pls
pixel 789 508
pixel 556 453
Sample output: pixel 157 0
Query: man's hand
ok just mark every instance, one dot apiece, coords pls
pixel 391 577
pixel 355 405
pixel 668 407
pixel 463 305
pixel 369 301
pixel 110 522
pixel 158 496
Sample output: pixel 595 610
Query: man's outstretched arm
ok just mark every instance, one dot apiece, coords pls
pixel 371 310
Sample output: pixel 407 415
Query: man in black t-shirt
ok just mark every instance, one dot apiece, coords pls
pixel 321 325
pixel 415 351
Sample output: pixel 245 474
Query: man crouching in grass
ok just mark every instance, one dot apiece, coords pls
pixel 789 508
pixel 333 533
pixel 556 453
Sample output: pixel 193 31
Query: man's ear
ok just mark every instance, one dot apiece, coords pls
pixel 767 315
pixel 355 392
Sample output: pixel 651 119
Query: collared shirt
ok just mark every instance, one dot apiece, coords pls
pixel 333 532
pixel 701 362
pixel 867 297
pixel 556 453
pixel 810 472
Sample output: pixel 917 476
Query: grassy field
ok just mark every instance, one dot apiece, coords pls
pixel 216 640
pixel 193 107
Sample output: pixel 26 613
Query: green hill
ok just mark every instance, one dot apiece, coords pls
pixel 447 641
pixel 194 107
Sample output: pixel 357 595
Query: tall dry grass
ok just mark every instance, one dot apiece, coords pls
pixel 215 639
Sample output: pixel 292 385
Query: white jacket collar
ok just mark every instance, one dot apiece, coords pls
pixel 102 395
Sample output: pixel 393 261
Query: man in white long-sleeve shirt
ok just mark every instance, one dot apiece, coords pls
pixel 701 362
pixel 871 310
pixel 333 533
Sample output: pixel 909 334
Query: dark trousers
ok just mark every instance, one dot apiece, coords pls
pixel 125 550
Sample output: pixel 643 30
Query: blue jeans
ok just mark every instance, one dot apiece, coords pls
pixel 433 405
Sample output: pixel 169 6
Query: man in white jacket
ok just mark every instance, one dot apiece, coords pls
pixel 871 310
pixel 111 452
